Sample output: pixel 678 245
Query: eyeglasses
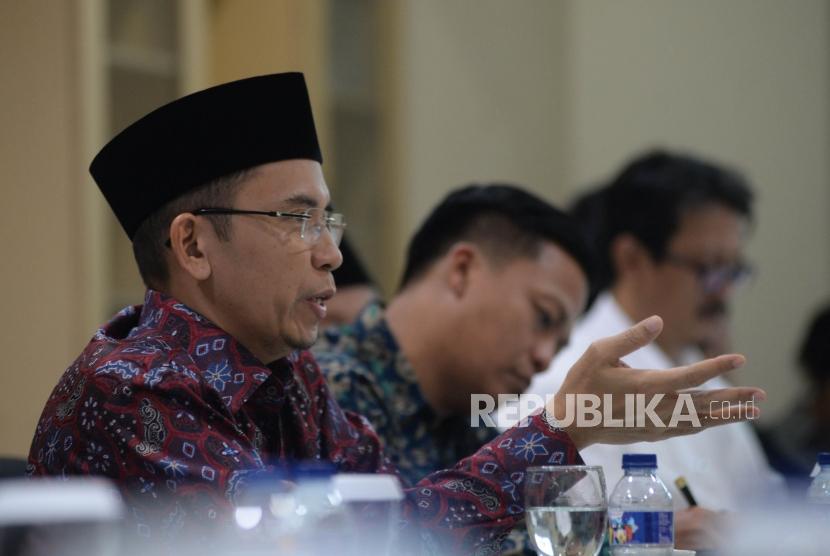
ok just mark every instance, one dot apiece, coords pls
pixel 313 221
pixel 714 277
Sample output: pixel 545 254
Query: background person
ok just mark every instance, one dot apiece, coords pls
pixel 671 230
pixel 793 442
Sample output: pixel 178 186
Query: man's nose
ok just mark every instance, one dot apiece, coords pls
pixel 723 291
pixel 326 255
pixel 543 352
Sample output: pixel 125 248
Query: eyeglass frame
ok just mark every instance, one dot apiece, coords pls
pixel 330 218
pixel 713 277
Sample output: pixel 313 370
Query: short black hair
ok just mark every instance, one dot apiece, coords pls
pixel 648 198
pixel 814 356
pixel 505 220
pixel 150 239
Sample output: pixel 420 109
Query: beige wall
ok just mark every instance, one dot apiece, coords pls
pixel 40 230
pixel 481 97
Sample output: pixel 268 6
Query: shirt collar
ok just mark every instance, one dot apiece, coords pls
pixel 394 373
pixel 222 362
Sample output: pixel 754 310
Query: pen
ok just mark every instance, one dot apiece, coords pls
pixel 681 485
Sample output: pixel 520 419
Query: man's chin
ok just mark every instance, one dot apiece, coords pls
pixel 303 341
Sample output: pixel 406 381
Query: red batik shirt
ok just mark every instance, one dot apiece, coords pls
pixel 177 413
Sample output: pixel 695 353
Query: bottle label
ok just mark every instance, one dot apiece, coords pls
pixel 640 527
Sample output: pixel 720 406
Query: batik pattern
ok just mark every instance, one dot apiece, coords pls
pixel 368 374
pixel 180 412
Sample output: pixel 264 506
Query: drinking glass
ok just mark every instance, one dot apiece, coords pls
pixel 566 509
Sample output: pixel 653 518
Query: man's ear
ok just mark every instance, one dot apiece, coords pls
pixel 628 254
pixel 462 260
pixel 187 243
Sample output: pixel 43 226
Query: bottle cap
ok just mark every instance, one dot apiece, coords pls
pixel 642 461
pixel 824 458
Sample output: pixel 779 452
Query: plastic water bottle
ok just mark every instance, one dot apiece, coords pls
pixel 818 494
pixel 640 510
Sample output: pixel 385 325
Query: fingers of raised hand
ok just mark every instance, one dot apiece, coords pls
pixel 724 414
pixel 682 413
pixel 723 404
pixel 612 348
pixel 705 400
pixel 690 376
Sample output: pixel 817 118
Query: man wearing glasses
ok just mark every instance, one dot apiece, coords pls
pixel 180 400
pixel 670 231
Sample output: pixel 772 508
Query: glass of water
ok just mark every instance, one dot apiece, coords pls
pixel 566 509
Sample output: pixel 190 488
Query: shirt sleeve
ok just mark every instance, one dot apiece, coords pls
pixel 472 506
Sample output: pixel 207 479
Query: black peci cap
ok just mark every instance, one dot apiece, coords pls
pixel 202 137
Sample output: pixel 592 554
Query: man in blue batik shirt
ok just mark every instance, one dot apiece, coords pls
pixel 494 278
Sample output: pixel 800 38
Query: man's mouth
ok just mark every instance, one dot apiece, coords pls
pixel 714 309
pixel 317 302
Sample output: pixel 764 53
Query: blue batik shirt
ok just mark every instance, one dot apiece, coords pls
pixel 368 374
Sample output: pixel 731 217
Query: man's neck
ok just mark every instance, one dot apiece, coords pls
pixel 413 324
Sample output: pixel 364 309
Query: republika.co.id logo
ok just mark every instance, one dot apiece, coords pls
pixel 592 410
